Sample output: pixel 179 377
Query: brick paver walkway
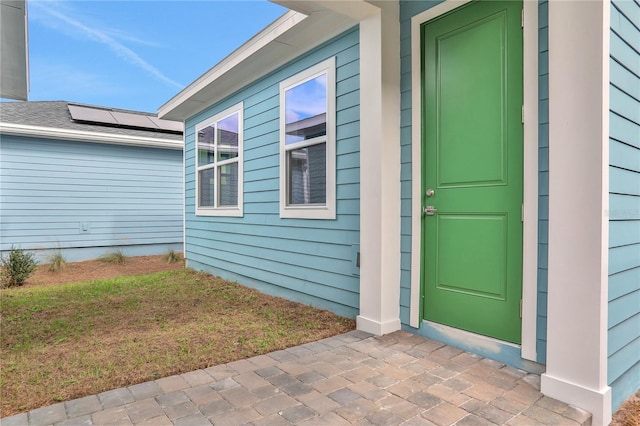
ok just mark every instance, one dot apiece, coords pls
pixel 353 378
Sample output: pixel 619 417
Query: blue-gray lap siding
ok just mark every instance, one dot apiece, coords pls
pixel 311 261
pixel 408 9
pixel 624 201
pixel 88 198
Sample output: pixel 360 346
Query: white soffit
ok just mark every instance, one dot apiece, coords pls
pixel 355 9
pixel 289 36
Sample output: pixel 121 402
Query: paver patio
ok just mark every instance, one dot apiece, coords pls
pixel 353 378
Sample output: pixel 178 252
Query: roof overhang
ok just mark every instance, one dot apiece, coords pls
pixel 297 31
pixel 84 136
pixel 14 57
pixel 357 10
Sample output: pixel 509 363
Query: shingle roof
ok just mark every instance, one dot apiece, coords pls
pixel 55 114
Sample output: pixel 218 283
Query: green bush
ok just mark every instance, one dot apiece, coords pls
pixel 17 267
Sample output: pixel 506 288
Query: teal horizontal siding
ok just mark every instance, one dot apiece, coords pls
pixel 623 283
pixel 543 179
pixel 307 268
pixel 623 232
pixel 629 302
pixel 311 261
pixel 72 195
pixel 624 202
pixel 624 130
pixel 623 155
pixel 618 343
pixel 408 9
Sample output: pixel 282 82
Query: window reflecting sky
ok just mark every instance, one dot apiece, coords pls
pixel 307 99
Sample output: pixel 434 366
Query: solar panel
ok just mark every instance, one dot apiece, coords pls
pixel 91 114
pixel 122 118
pixel 173 126
pixel 134 120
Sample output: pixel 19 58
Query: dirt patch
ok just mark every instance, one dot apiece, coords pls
pixel 96 269
pixel 629 413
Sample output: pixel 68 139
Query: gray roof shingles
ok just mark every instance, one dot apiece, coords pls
pixel 55 114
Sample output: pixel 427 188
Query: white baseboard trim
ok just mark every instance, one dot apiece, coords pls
pixel 376 327
pixel 597 402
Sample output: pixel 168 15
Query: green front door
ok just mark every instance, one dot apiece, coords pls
pixel 472 169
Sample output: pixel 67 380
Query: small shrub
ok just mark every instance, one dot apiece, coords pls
pixel 116 257
pixel 17 267
pixel 173 256
pixel 57 262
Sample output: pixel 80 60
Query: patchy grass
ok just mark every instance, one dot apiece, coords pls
pixel 115 257
pixel 67 341
pixel 173 256
pixel 56 262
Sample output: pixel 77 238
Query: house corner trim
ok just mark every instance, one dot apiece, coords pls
pixel 577 298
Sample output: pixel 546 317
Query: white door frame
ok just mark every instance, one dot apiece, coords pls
pixel 530 190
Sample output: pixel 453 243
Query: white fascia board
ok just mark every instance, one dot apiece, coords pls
pixel 84 136
pixel 237 57
pixel 354 9
pixel 301 6
pixel 287 38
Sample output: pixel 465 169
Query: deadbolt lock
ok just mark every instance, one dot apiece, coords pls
pixel 429 210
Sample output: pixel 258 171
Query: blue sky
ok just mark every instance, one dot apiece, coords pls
pixel 133 54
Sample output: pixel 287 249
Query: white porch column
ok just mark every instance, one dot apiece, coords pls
pixel 380 170
pixel 578 203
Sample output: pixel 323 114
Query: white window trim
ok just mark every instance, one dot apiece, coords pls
pixel 236 211
pixel 327 211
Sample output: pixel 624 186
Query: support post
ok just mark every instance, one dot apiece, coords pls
pixel 380 170
pixel 578 202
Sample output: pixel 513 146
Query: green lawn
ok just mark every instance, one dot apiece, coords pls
pixel 67 341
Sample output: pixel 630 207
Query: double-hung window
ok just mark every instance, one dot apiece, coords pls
pixel 219 164
pixel 307 144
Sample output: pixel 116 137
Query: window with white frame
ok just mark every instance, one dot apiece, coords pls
pixel 307 143
pixel 219 164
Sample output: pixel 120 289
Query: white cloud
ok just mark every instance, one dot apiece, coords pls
pixel 307 100
pixel 103 37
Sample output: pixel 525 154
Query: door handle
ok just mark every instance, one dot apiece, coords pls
pixel 429 210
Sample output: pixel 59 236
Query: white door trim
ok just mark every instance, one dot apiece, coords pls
pixel 530 208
